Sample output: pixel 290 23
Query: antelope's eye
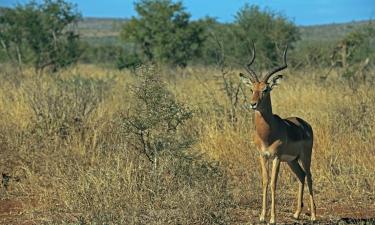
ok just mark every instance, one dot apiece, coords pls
pixel 251 90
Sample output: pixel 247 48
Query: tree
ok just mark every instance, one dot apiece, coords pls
pixel 354 52
pixel 43 34
pixel 269 31
pixel 163 32
pixel 355 46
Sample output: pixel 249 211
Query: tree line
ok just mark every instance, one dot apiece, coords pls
pixel 45 35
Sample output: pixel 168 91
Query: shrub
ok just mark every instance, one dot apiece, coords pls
pixel 63 107
pixel 154 121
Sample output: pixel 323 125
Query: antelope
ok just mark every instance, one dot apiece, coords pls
pixel 278 140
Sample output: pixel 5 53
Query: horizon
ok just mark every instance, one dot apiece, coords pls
pixel 307 13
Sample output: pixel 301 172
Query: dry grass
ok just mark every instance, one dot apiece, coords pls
pixel 92 174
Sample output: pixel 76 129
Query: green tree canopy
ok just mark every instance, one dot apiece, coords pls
pixel 41 34
pixel 356 46
pixel 270 32
pixel 163 32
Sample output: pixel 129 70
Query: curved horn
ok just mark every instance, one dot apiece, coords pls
pixel 277 69
pixel 248 66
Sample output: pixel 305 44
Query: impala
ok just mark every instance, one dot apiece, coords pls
pixel 278 140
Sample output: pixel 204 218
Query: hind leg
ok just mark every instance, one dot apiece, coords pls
pixel 306 167
pixel 297 170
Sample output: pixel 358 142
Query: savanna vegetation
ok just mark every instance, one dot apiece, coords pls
pixel 155 129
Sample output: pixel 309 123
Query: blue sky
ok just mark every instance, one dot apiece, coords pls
pixel 302 12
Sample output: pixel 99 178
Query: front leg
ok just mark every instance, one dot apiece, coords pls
pixel 264 166
pixel 275 173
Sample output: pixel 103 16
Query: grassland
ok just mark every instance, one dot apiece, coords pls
pixel 66 164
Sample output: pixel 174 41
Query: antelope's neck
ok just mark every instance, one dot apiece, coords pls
pixel 264 121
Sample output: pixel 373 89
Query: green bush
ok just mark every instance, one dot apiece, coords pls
pixel 155 119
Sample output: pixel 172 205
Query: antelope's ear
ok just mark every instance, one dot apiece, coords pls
pixel 276 81
pixel 245 79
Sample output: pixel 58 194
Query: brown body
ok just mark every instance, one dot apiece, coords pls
pixel 278 140
pixel 289 139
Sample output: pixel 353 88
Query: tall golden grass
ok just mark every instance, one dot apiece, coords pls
pixel 95 176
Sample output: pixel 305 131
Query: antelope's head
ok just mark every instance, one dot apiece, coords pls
pixel 261 88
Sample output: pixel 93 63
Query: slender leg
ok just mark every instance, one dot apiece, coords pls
pixel 297 170
pixel 275 173
pixel 306 166
pixel 264 166
pixel 312 206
